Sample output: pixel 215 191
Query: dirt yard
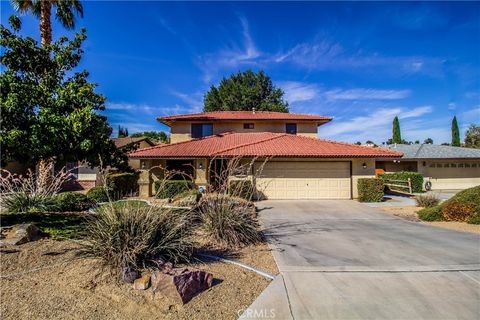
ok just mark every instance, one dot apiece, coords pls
pixel 410 213
pixel 46 280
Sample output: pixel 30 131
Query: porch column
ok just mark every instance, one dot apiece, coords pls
pixel 145 184
pixel 201 172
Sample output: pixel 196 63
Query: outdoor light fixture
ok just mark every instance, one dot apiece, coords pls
pixel 143 165
pixel 200 166
pixel 364 165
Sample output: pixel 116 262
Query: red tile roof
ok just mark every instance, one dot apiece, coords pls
pixel 242 115
pixel 262 144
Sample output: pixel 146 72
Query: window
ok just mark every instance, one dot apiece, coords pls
pixel 291 128
pixel 248 126
pixel 439 165
pixel 200 130
pixel 474 165
pixel 460 165
pixel 453 165
pixel 467 165
pixel 446 165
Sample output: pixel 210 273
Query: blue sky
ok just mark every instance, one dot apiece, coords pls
pixel 362 63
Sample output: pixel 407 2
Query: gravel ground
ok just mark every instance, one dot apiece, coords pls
pixel 410 213
pixel 64 286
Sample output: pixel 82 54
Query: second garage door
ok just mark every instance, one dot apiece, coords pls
pixel 305 180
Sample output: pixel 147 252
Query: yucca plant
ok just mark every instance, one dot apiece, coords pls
pixel 133 236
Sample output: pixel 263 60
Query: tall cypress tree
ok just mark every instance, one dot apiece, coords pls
pixel 455 133
pixel 396 135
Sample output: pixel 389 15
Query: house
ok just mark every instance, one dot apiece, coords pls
pixel 445 167
pixel 86 178
pixel 300 166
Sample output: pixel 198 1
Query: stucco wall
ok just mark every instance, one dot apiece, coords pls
pixel 181 131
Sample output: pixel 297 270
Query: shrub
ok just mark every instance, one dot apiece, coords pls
pixel 463 206
pixel 122 183
pixel 133 236
pixel 456 211
pixel 431 214
pixel 427 201
pixel 73 201
pixel 475 219
pixel 370 190
pixel 188 198
pixel 228 221
pixel 241 188
pixel 415 177
pixel 170 188
pixel 99 194
pixel 24 202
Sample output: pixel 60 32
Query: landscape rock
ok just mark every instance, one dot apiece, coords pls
pixel 142 283
pixel 129 275
pixel 181 285
pixel 20 234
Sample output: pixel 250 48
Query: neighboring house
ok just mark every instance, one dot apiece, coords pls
pixel 86 177
pixel 300 165
pixel 445 167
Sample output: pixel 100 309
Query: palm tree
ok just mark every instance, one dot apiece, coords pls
pixel 42 9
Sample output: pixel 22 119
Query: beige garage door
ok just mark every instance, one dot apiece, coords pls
pixel 305 180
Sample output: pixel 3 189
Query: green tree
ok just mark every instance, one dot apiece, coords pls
pixel 396 135
pixel 472 136
pixel 428 141
pixel 42 9
pixel 154 136
pixel 455 133
pixel 122 132
pixel 49 110
pixel 245 91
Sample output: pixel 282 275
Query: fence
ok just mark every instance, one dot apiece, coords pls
pixel 405 186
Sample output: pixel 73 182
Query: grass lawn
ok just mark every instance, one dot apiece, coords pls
pixel 58 225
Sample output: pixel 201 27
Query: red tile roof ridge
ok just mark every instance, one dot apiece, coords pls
pixel 356 145
pixel 182 142
pixel 272 137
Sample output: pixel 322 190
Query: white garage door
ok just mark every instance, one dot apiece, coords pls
pixel 305 180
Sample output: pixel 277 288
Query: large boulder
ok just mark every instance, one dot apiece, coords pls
pixel 181 285
pixel 20 234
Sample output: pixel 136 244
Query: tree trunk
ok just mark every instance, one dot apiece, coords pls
pixel 45 22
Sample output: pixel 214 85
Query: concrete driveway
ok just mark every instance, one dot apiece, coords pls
pixel 344 260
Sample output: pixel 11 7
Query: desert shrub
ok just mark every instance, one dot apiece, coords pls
pixel 228 221
pixel 241 188
pixel 370 190
pixel 122 203
pixel 170 188
pixel 100 194
pixel 73 201
pixel 456 211
pixel 415 177
pixel 188 198
pixel 123 183
pixel 132 236
pixel 24 202
pixel 431 214
pixel 463 206
pixel 474 219
pixel 427 201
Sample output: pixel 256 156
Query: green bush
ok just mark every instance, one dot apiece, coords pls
pixel 188 198
pixel 241 188
pixel 370 190
pixel 25 202
pixel 132 236
pixel 464 206
pixel 170 188
pixel 431 214
pixel 228 221
pixel 415 177
pixel 475 219
pixel 73 201
pixel 99 194
pixel 123 183
pixel 427 201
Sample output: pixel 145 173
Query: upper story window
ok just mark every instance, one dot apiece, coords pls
pixel 200 130
pixel 248 126
pixel 291 128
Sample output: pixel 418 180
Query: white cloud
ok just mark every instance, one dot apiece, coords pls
pixel 452 106
pixel 366 94
pixel 375 125
pixel 298 91
pixel 194 101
